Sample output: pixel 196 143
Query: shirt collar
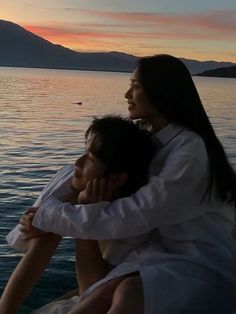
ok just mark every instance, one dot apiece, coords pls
pixel 165 135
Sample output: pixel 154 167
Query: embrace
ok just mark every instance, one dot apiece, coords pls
pixel 150 204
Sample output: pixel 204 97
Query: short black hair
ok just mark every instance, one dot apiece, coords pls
pixel 123 147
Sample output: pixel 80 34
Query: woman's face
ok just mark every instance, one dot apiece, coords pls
pixel 138 104
pixel 88 167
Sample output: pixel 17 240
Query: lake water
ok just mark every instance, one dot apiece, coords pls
pixel 42 128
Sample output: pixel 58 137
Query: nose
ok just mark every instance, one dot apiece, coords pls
pixel 128 93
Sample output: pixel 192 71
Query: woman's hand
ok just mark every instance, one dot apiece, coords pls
pixel 97 190
pixel 28 230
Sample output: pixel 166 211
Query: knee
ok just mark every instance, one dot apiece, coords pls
pixel 133 283
pixel 128 297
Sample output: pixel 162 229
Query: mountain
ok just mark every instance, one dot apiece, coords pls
pixel 220 72
pixel 21 48
pixel 200 66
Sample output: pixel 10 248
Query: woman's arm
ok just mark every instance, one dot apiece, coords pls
pixel 14 237
pixel 39 250
pixel 27 272
pixel 90 265
pixel 166 200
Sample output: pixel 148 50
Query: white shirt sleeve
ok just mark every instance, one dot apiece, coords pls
pixel 170 198
pixel 14 237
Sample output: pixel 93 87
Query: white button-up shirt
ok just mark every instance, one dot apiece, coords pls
pixel 191 245
pixel 113 250
pixel 172 205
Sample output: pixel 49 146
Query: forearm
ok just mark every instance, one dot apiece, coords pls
pixel 173 188
pixel 28 272
pixel 90 266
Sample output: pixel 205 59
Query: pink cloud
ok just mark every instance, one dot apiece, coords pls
pixel 214 20
pixel 64 32
pixel 137 29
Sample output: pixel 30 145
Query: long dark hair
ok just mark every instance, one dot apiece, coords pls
pixel 170 88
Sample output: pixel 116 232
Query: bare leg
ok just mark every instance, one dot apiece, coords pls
pixel 27 272
pixel 122 295
pixel 128 297
pixel 99 301
pixel 90 266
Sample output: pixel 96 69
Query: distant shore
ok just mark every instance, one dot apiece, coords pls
pixel 64 68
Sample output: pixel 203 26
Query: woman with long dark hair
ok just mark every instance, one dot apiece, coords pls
pixel 189 265
pixel 170 89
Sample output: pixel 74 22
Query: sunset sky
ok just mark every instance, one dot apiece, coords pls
pixel 194 29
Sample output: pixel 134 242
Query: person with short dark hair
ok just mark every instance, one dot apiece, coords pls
pixel 120 152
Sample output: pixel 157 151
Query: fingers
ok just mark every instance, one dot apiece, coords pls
pixel 97 190
pixel 26 224
pixel 100 189
pixel 26 219
pixel 105 189
pixel 26 236
pixel 31 210
pixel 26 228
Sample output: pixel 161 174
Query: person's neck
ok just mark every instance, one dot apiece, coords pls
pixel 158 123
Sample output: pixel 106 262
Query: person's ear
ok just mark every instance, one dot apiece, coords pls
pixel 118 179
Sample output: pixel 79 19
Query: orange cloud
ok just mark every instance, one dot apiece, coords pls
pixel 138 33
pixel 212 26
pixel 215 20
pixel 63 32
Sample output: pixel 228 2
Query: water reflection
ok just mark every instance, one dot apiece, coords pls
pixel 41 129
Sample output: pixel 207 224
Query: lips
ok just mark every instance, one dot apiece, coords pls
pixel 131 105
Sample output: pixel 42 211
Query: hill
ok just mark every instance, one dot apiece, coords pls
pixel 21 48
pixel 220 72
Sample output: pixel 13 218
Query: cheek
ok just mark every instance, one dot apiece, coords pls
pixel 141 103
pixel 88 173
pixel 145 105
pixel 91 173
pixel 77 184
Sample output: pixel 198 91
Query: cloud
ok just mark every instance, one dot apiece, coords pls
pixel 63 31
pixel 134 32
pixel 171 32
pixel 212 20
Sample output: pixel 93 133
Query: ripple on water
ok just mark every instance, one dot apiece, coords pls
pixel 41 130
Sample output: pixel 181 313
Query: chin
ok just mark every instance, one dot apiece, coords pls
pixel 134 116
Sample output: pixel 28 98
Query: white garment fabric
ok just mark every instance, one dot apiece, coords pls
pixel 191 234
pixel 191 256
pixel 58 307
pixel 14 237
pixel 113 251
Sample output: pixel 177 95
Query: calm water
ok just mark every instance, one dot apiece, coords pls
pixel 41 129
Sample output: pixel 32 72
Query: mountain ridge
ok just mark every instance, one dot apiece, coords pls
pixel 21 48
pixel 228 72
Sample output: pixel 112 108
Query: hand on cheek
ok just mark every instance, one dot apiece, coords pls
pixel 97 190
